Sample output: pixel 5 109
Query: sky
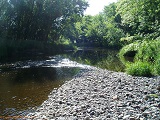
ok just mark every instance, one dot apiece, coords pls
pixel 96 6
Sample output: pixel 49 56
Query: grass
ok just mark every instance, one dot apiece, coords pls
pixel 146 60
pixel 139 69
pixel 157 66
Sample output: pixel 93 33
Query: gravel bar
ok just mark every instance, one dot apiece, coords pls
pixel 97 94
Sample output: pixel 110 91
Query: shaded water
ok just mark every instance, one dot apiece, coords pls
pixel 102 58
pixel 24 85
pixel 22 89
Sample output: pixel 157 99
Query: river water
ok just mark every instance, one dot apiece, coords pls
pixel 26 84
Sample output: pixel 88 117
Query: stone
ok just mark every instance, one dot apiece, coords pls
pixel 126 117
pixel 87 118
pixel 115 97
pixel 158 106
pixel 145 113
pixel 102 103
pixel 132 118
pixel 141 119
pixel 158 88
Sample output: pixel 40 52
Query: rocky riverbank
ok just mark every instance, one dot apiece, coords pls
pixel 96 94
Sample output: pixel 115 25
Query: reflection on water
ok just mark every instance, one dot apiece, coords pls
pixel 25 88
pixel 102 58
pixel 24 85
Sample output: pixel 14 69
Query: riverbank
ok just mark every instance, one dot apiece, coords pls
pixel 12 50
pixel 96 94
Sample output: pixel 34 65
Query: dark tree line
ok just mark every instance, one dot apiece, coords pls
pixel 38 19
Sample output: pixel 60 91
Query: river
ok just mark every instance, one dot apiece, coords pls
pixel 25 84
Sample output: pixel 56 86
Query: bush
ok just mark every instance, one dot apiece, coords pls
pixel 131 39
pixel 157 67
pixel 126 49
pixel 147 53
pixel 139 69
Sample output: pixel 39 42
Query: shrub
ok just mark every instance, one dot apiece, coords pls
pixel 126 49
pixel 148 51
pixel 131 39
pixel 139 69
pixel 157 67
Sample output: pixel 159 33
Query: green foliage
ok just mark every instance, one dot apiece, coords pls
pixel 36 25
pixel 100 30
pixel 130 39
pixel 9 48
pixel 38 19
pixel 140 17
pixel 131 47
pixel 139 69
pixel 58 24
pixel 147 52
pixel 157 66
pixel 153 95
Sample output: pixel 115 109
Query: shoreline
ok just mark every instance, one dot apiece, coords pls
pixel 97 94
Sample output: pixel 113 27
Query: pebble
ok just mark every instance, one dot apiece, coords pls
pixel 115 97
pixel 96 94
pixel 126 117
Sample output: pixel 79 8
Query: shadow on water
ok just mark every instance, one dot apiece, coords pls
pixel 22 89
pixel 26 84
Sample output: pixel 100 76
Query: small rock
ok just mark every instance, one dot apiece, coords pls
pixel 120 116
pixel 141 119
pixel 145 113
pixel 130 89
pixel 136 107
pixel 61 118
pixel 102 95
pixel 60 102
pixel 159 106
pixel 158 88
pixel 115 97
pixel 143 108
pixel 132 118
pixel 92 113
pixel 145 92
pixel 126 117
pixel 128 104
pixel 87 118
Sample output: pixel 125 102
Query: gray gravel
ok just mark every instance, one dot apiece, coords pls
pixel 96 94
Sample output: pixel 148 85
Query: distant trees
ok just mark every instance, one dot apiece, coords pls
pixel 38 19
pixel 125 20
pixel 140 17
pixel 101 30
pixel 44 20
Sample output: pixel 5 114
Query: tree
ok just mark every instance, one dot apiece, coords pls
pixel 39 19
pixel 141 16
pixel 101 30
pixel 113 28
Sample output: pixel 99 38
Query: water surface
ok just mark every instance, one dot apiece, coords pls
pixel 26 84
